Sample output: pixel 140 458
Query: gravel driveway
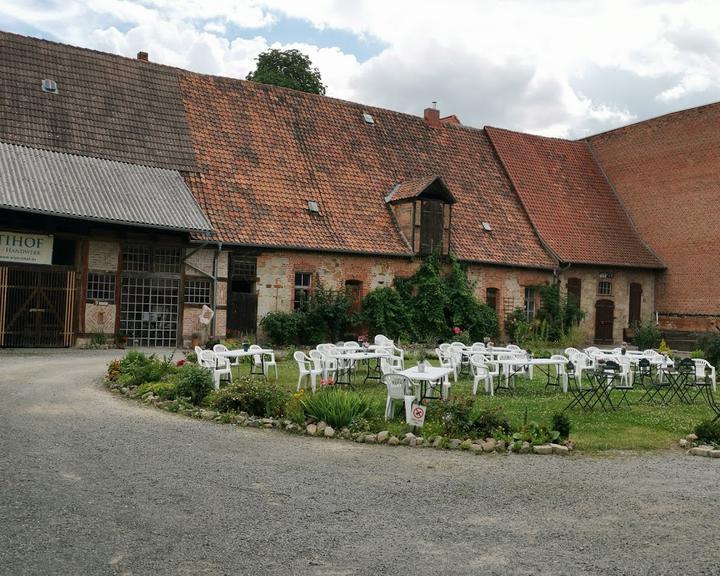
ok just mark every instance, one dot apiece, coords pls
pixel 94 484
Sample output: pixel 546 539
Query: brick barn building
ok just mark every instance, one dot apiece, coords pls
pixel 165 190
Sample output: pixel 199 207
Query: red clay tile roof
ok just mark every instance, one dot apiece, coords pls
pixel 414 188
pixel 569 200
pixel 264 151
pixel 107 106
pixel 452 119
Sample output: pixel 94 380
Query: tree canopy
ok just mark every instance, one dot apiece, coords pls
pixel 288 68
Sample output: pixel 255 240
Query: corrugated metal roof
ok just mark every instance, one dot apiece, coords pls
pixel 94 189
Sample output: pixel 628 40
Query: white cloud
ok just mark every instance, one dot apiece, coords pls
pixel 513 63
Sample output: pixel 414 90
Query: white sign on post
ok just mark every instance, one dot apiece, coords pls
pixel 206 315
pixel 414 412
pixel 26 248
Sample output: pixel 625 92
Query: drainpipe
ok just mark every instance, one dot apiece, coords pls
pixel 214 285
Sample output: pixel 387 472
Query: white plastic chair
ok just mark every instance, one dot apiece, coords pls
pixel 219 366
pixel 445 346
pixel 390 364
pixel 323 362
pixel 561 369
pixel 352 345
pixel 446 361
pixel 306 369
pixel 222 348
pixel 270 362
pixel 700 366
pixel 398 387
pixel 477 347
pixel 481 371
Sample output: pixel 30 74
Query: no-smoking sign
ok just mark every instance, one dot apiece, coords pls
pixel 417 415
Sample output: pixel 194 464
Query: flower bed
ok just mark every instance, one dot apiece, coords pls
pixel 186 388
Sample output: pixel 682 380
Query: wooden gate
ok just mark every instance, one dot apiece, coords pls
pixel 37 307
pixel 604 319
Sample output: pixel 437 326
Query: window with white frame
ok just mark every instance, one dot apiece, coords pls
pixel 604 288
pixel 530 294
pixel 198 291
pixel 100 287
pixel 303 281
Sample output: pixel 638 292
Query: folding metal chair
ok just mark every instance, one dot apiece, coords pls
pixel 581 396
pixel 643 373
pixel 615 381
pixel 655 387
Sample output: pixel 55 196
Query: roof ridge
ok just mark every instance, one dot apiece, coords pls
pixel 653 118
pixel 89 156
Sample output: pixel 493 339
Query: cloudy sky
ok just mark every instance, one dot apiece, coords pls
pixel 555 67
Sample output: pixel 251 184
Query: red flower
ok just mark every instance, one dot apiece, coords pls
pixel 181 362
pixel 457 330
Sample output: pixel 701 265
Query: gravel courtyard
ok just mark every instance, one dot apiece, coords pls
pixel 94 484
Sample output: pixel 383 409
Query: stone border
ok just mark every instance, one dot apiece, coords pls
pixel 690 444
pixel 323 430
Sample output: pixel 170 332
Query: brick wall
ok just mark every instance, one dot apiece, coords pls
pixel 666 171
pixel 204 260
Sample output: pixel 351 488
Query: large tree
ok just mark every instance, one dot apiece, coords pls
pixel 288 68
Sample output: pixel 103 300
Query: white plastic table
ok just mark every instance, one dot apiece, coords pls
pixel 357 355
pixel 431 375
pixel 510 367
pixel 239 353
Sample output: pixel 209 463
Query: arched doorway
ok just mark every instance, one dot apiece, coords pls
pixel 604 317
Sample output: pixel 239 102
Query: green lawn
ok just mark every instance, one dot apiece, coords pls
pixel 635 427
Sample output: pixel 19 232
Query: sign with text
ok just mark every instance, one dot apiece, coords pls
pixel 414 412
pixel 26 248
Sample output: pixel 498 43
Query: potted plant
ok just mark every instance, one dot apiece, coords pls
pixel 420 357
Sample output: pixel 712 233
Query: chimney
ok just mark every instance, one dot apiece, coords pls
pixel 432 117
pixel 142 56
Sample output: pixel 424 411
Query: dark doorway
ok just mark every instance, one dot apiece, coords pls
pixel 635 311
pixel 36 307
pixel 604 317
pixel 242 296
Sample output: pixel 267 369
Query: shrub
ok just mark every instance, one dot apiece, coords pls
pixel 697 354
pixel 165 390
pixel 710 345
pixel 385 313
pixel 193 381
pixel 561 423
pixel 258 397
pixel 646 335
pixel 533 433
pixel 137 368
pixel 556 313
pixel 459 418
pixel 339 408
pixel 281 327
pixel 664 348
pixel 708 431
pixel 517 328
pixel 113 371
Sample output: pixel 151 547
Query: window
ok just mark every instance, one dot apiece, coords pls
pixel 530 303
pixel 574 288
pixel 101 287
pixel 491 297
pixel 144 258
pixel 353 291
pixel 302 289
pixel 604 288
pixel 431 226
pixel 198 291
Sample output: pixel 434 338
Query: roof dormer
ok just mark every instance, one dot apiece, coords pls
pixel 423 210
